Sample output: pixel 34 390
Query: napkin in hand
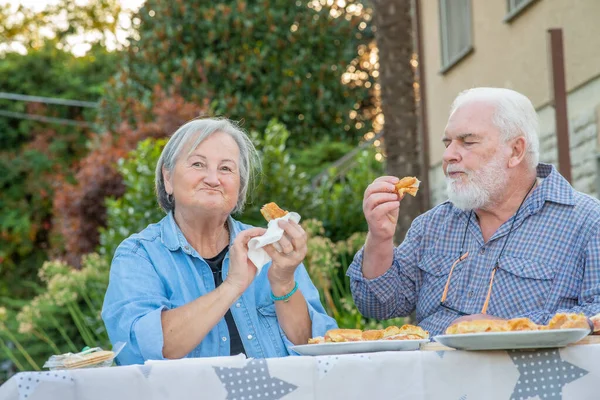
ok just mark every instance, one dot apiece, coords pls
pixel 274 233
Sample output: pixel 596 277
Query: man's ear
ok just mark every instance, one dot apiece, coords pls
pixel 167 180
pixel 518 149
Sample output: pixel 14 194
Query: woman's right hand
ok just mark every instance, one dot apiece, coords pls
pixel 241 270
pixel 381 206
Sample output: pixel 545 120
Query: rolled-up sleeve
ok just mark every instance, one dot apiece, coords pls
pixel 133 304
pixel 321 322
pixel 394 293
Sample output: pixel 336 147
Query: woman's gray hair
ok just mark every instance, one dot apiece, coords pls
pixel 195 132
pixel 514 116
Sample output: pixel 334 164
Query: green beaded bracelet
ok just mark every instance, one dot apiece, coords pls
pixel 285 297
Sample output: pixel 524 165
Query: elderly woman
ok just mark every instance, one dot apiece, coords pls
pixel 184 287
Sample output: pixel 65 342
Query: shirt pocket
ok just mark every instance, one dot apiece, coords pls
pixel 270 324
pixel 435 268
pixel 520 286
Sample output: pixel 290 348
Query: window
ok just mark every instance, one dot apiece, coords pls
pixel 455 31
pixel 515 7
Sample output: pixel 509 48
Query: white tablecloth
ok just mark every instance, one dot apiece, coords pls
pixel 568 373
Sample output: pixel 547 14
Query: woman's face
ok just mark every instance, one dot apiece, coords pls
pixel 208 179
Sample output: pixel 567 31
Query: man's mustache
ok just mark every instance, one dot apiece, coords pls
pixel 450 169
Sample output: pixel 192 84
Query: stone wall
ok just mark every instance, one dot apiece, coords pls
pixel 583 140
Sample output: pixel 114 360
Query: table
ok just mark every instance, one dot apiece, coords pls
pixel 568 373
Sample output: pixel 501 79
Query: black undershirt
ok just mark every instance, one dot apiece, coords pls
pixel 216 265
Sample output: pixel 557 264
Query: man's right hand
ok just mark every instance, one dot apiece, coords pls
pixel 381 206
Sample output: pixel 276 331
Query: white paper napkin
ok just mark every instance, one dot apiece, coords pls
pixel 274 233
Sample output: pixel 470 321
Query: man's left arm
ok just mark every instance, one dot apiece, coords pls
pixel 589 296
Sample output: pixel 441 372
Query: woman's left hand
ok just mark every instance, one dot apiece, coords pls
pixel 293 245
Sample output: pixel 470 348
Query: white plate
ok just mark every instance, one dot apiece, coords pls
pixel 370 346
pixel 513 340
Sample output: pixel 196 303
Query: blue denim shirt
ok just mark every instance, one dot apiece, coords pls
pixel 157 270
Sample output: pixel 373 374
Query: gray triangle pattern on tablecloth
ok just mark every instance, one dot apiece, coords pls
pixel 145 370
pixel 326 363
pixel 542 373
pixel 27 382
pixel 253 381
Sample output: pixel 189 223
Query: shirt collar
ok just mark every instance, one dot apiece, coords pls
pixel 554 188
pixel 173 238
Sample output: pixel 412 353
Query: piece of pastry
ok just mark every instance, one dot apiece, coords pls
pixel 390 331
pixel 522 324
pixel 414 330
pixel 272 211
pixel 343 335
pixel 404 336
pixel 372 335
pixel 477 326
pixel 409 185
pixel 316 340
pixel 568 321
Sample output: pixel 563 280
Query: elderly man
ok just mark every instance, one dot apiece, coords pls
pixel 513 240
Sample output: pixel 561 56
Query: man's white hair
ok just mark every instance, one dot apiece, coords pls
pixel 514 116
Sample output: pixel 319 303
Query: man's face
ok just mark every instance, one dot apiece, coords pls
pixel 475 161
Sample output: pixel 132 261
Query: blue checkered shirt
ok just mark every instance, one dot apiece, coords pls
pixel 551 262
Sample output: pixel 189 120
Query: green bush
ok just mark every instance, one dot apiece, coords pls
pixel 63 317
pixel 256 60
pixel 35 155
pixel 338 197
pixel 138 207
pixel 336 201
pixel 311 159
pixel 327 263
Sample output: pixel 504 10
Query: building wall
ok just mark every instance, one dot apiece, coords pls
pixel 512 55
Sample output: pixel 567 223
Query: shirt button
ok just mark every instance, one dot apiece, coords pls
pixel 470 294
pixel 186 248
pixel 237 305
pixel 482 250
pixel 224 338
pixel 249 337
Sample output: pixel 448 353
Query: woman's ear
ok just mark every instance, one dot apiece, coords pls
pixel 518 150
pixel 167 180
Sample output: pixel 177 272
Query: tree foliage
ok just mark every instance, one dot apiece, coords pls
pixel 25 28
pixel 256 60
pixel 34 153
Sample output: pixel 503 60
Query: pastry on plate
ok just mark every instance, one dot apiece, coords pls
pixel 343 335
pixel 568 321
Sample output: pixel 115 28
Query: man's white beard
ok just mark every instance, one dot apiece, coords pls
pixel 480 187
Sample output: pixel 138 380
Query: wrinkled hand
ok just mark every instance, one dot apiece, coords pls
pixel 293 246
pixel 241 270
pixel 474 317
pixel 381 205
